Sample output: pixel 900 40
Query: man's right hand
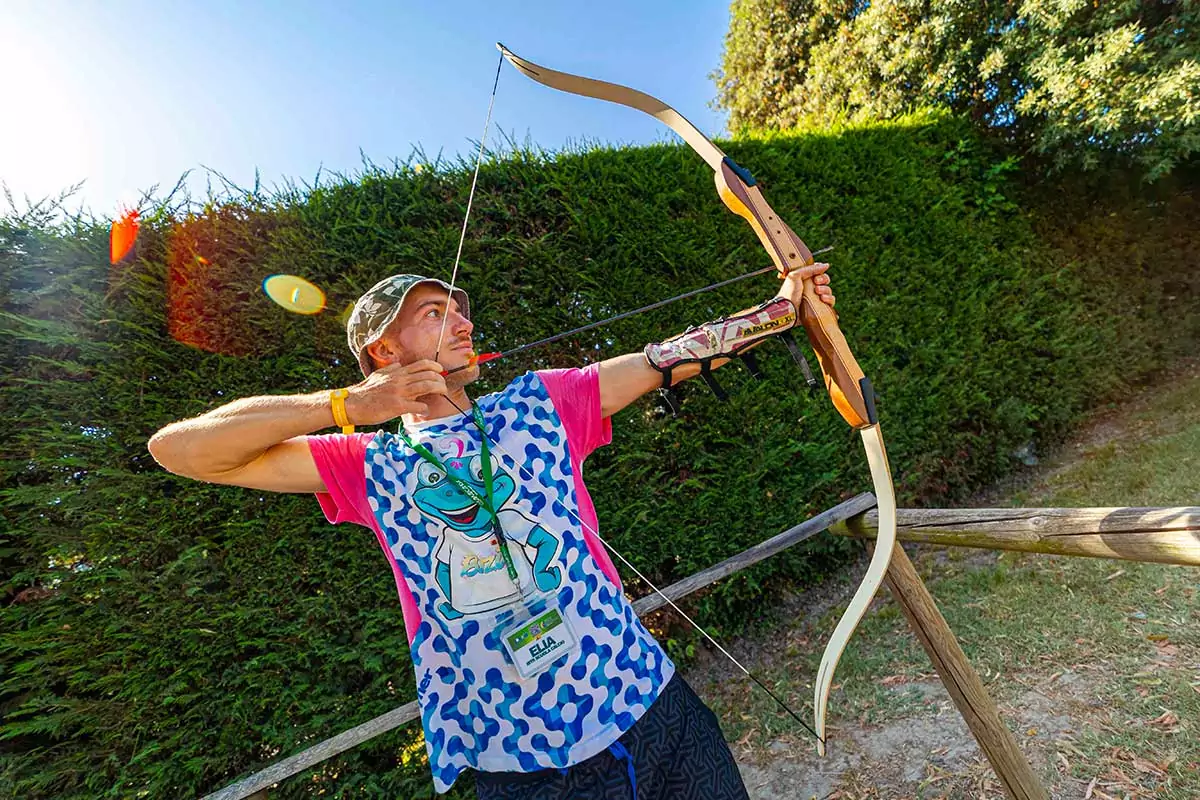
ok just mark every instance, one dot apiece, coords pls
pixel 394 390
pixel 258 442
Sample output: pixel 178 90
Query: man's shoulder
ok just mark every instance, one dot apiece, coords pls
pixel 528 385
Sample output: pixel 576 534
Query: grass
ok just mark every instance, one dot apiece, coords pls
pixel 1094 663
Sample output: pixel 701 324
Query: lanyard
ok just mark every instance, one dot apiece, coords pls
pixel 488 503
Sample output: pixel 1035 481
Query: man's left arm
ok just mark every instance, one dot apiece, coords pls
pixel 624 379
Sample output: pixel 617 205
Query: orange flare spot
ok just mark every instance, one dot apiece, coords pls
pixel 123 235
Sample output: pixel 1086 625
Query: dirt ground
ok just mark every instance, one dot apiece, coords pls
pixel 926 756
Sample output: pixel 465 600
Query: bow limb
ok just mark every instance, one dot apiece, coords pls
pixel 885 498
pixel 848 388
pixel 621 95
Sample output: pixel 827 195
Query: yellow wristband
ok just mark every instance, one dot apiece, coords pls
pixel 337 401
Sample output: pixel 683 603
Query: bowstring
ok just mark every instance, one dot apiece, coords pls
pixel 462 237
pixel 512 461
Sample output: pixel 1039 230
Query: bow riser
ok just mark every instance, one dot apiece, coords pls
pixel 844 379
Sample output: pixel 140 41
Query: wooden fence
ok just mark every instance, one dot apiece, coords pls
pixel 1161 535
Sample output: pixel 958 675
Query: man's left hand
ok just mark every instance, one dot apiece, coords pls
pixel 793 285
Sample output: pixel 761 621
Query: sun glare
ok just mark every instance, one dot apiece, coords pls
pixel 46 137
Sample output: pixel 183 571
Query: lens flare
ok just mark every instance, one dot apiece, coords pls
pixel 294 294
pixel 123 235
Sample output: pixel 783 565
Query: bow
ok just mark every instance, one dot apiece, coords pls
pixel 849 389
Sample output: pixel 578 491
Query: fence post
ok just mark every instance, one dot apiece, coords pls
pixel 961 681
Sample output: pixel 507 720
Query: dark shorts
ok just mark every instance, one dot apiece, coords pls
pixel 674 752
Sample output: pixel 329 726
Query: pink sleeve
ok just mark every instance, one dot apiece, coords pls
pixel 576 397
pixel 575 394
pixel 340 460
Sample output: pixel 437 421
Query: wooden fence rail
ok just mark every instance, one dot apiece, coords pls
pixel 1160 535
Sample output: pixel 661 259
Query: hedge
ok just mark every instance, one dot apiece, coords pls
pixel 163 637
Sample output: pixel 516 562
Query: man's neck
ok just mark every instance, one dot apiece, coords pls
pixel 441 405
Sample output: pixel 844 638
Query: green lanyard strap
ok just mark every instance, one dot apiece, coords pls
pixel 488 503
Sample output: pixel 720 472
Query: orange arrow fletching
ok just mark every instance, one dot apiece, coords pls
pixel 474 360
pixel 483 358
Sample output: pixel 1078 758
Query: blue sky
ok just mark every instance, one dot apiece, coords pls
pixel 131 94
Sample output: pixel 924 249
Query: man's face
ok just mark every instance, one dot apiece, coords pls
pixel 413 335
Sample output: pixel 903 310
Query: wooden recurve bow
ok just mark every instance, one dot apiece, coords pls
pixel 849 389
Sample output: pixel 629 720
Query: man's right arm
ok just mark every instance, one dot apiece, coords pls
pixel 254 442
pixel 258 443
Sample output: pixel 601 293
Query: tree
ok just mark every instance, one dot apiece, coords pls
pixel 1080 83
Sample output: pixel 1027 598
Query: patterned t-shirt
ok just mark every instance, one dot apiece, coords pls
pixel 477 711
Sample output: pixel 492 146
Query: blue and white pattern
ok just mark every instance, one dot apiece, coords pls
pixel 476 710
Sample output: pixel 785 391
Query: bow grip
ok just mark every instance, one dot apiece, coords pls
pixel 849 389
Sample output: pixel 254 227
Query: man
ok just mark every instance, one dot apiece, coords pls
pixel 532 668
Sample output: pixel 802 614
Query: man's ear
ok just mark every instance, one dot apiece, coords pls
pixel 381 353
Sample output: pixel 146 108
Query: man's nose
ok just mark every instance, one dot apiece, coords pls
pixel 460 324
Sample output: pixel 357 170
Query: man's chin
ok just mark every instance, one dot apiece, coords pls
pixel 463 376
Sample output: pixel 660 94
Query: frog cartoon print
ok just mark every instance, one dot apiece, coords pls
pixel 470 569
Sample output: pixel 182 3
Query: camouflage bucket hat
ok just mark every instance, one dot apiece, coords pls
pixel 378 307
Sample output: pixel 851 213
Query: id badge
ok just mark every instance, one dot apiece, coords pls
pixel 537 642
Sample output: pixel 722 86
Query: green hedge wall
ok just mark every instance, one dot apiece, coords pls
pixel 161 637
